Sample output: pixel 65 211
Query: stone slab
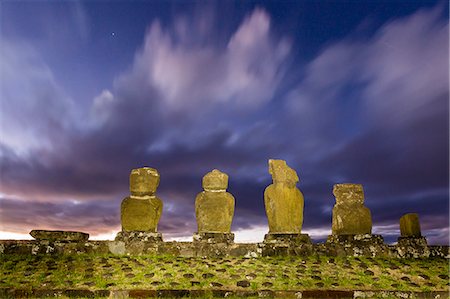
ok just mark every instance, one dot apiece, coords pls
pixel 59 235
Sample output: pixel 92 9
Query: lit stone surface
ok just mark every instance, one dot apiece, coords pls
pixel 142 210
pixel 409 225
pixel 283 200
pixel 214 207
pixel 57 235
pixel 350 216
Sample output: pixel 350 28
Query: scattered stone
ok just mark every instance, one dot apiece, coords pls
pixel 216 284
pixel 405 278
pixel 368 272
pixel 235 276
pixel 58 235
pixel 424 276
pixel 315 277
pixel 141 211
pixel 363 265
pixel 155 283
pixel 221 270
pixel 413 284
pixel 283 200
pixel 195 283
pixel 107 275
pixel 214 207
pixel 320 284
pixel 167 275
pixel 409 225
pixel 127 269
pixel 188 275
pixel 267 284
pixel 174 284
pixel 207 275
pixel 350 216
pixel 243 283
pixel 89 283
pixel 149 275
pixel 250 276
pixel 130 275
pixel 443 276
pixel 335 284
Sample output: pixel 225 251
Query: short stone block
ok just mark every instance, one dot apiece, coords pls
pixel 357 245
pixel 278 238
pixel 227 238
pixel 412 247
pixel 132 236
pixel 286 244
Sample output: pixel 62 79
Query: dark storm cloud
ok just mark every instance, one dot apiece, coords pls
pixel 371 111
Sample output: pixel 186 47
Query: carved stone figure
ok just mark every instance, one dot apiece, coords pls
pixel 350 216
pixel 410 226
pixel 214 207
pixel 142 210
pixel 283 200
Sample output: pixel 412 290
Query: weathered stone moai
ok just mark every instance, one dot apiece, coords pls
pixel 352 225
pixel 410 226
pixel 411 243
pixel 350 216
pixel 283 200
pixel 284 208
pixel 140 212
pixel 214 209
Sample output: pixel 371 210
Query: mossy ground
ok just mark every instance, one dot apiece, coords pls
pixel 271 273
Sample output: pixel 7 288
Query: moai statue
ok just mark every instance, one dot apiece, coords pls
pixel 409 225
pixel 141 211
pixel 350 216
pixel 352 225
pixel 411 244
pixel 214 209
pixel 283 200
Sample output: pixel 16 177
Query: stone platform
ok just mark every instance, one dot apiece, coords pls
pixel 301 247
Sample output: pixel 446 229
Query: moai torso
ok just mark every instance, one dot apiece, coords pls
pixel 350 216
pixel 214 207
pixel 142 210
pixel 283 200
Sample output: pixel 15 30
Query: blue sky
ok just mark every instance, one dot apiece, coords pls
pixel 345 91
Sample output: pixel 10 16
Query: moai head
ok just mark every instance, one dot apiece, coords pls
pixel 143 181
pixel 215 181
pixel 348 194
pixel 282 173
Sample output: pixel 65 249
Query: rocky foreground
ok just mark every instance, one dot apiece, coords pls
pixel 86 275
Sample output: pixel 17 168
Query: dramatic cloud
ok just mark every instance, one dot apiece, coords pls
pixel 368 110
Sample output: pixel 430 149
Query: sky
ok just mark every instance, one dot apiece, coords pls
pixel 344 91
